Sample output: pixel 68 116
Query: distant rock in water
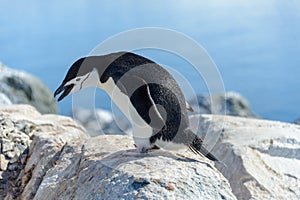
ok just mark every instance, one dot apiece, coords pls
pixel 231 103
pixel 297 121
pixel 4 100
pixel 100 122
pixel 22 88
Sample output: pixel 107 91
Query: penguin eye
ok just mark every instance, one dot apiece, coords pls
pixel 77 79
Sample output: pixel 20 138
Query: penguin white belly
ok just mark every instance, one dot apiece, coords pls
pixel 141 130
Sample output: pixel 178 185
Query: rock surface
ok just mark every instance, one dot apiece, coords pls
pixel 98 168
pixel 262 157
pixel 22 88
pixel 262 161
pixel 63 163
pixel 4 100
pixel 231 103
pixel 20 124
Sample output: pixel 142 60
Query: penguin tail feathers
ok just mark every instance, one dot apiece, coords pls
pixel 196 146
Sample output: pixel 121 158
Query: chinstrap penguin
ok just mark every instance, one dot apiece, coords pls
pixel 145 92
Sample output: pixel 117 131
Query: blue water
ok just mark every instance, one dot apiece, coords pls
pixel 256 45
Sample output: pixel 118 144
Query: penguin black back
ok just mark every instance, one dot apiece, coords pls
pixel 153 94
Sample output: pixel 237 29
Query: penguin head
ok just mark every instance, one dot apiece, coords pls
pixel 80 75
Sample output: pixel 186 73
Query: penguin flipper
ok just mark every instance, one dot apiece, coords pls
pixel 137 89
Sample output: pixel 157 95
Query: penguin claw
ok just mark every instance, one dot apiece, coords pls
pixel 142 150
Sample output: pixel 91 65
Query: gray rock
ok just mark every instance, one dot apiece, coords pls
pixel 3 162
pixel 6 127
pixel 19 148
pixel 64 163
pixel 98 168
pixel 13 140
pixel 297 121
pixel 4 100
pixel 7 145
pixel 10 154
pixel 231 103
pixel 262 157
pixel 7 123
pixel 100 122
pixel 25 123
pixel 22 88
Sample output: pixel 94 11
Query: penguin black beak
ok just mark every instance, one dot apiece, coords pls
pixel 65 91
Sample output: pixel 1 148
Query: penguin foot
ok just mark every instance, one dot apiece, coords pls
pixel 146 150
pixel 140 151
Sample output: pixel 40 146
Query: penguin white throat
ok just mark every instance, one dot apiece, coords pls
pixel 90 79
pixel 141 130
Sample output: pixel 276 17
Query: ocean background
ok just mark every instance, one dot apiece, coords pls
pixel 255 44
